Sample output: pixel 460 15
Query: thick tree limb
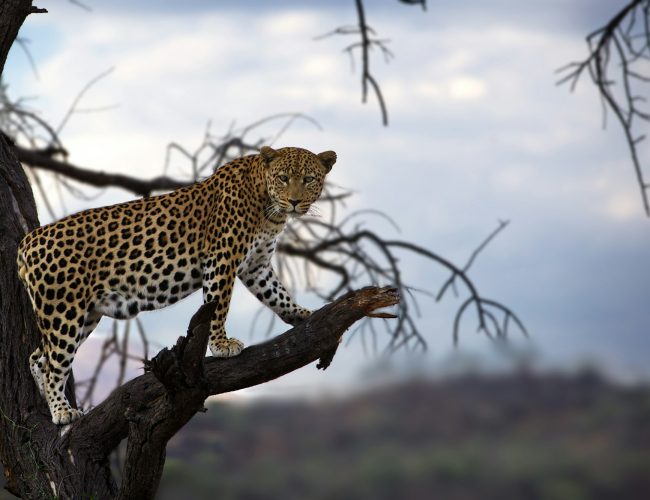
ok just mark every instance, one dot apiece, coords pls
pixel 142 187
pixel 35 463
pixel 151 408
pixel 181 372
pixel 32 467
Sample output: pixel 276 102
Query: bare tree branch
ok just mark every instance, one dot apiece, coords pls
pixel 23 44
pixel 349 254
pixel 366 43
pixel 42 159
pixel 87 8
pixel 621 47
pixel 151 408
pixel 74 106
pixel 451 281
pixel 423 3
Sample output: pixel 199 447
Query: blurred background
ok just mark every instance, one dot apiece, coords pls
pixel 482 146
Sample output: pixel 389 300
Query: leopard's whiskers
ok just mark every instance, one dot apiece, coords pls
pixel 314 211
pixel 271 211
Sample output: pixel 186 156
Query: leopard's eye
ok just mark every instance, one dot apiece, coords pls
pixel 308 179
pixel 284 178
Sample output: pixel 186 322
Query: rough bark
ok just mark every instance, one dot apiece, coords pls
pixel 35 463
pixel 12 16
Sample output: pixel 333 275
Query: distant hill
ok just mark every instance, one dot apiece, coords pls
pixel 510 437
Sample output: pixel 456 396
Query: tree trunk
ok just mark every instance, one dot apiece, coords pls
pixel 35 463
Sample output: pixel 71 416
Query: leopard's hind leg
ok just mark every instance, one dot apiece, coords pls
pixel 59 351
pixel 37 359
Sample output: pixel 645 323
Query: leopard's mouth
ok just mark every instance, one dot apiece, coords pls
pixel 290 209
pixel 282 207
pixel 295 211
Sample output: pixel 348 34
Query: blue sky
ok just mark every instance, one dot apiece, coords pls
pixel 479 132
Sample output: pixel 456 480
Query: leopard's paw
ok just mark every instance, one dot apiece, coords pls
pixel 65 416
pixel 298 316
pixel 226 348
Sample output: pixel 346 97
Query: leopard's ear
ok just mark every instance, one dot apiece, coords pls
pixel 327 158
pixel 268 154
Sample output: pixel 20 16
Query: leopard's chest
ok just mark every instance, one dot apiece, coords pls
pixel 261 249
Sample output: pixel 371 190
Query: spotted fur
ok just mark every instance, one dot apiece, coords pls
pixel 149 253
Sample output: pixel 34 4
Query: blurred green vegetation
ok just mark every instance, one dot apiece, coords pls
pixel 517 436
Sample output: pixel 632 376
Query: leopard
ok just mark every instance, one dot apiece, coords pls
pixel 151 252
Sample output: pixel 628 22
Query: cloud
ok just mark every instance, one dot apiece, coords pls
pixel 622 206
pixel 291 24
pixel 465 88
pixel 459 88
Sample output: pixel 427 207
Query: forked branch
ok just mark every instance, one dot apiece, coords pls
pixel 367 42
pixel 617 64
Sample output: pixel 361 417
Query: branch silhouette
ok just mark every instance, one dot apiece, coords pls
pixel 617 65
pixel 43 159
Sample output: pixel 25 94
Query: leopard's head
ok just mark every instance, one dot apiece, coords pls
pixel 294 178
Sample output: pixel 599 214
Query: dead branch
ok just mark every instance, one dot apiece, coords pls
pixel 452 278
pixel 367 42
pixel 617 65
pixel 355 255
pixel 74 107
pixel 365 45
pixel 42 159
pixel 150 409
pixel 423 3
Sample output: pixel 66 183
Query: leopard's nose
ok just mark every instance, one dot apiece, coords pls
pixel 294 202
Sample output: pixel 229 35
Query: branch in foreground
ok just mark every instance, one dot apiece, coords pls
pixel 153 407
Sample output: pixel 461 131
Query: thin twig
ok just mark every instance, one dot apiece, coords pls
pixel 72 109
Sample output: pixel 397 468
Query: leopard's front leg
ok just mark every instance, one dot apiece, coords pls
pixel 257 273
pixel 218 280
